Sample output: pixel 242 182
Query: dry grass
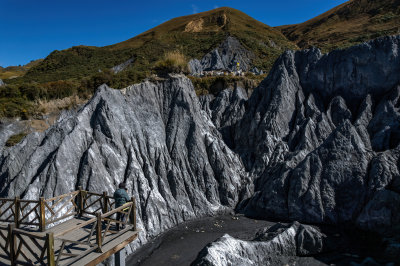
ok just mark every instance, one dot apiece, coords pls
pixel 173 62
pixel 348 24
pixel 56 106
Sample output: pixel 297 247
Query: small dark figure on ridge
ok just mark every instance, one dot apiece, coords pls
pixel 121 197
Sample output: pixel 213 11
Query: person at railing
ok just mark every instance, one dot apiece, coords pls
pixel 121 197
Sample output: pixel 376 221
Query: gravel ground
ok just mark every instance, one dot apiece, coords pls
pixel 180 245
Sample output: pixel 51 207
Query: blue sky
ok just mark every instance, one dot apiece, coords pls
pixel 31 29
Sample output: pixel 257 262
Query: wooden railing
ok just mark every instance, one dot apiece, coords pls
pixel 98 228
pixel 21 246
pixel 58 208
pixel 43 213
pixel 29 248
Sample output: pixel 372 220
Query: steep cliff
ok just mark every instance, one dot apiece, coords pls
pixel 153 136
pixel 320 137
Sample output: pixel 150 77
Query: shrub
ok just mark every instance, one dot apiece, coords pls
pixel 15 107
pixel 173 62
pixel 15 139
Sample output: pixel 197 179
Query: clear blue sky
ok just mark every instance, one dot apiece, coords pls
pixel 31 29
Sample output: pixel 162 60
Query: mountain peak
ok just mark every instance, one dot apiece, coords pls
pixel 347 24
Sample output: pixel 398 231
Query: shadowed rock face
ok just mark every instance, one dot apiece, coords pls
pixel 277 245
pixel 320 137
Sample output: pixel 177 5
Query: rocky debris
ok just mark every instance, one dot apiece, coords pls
pixel 154 136
pixel 2 83
pixel 256 71
pixel 226 57
pixel 123 66
pixel 276 245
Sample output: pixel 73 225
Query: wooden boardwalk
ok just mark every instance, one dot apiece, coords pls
pixel 78 228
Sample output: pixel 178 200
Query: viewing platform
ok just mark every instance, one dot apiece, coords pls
pixel 78 228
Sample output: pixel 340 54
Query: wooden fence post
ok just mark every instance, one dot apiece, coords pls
pixel 80 201
pixel 42 215
pixel 132 214
pixel 50 249
pixel 11 239
pixel 16 213
pixel 99 226
pixel 105 202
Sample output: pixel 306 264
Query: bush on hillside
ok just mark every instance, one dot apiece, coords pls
pixel 173 62
pixel 15 107
pixel 15 139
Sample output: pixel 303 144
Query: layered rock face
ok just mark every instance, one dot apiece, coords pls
pixel 121 67
pixel 155 137
pixel 320 137
pixel 225 57
pixel 278 245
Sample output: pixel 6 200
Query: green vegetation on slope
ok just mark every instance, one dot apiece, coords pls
pixel 15 139
pixel 193 36
pixel 81 69
pixel 351 23
pixel 172 62
pixel 17 71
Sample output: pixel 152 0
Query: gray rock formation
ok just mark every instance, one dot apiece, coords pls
pixel 320 137
pixel 256 71
pixel 2 83
pixel 225 57
pixel 195 67
pixel 153 136
pixel 317 141
pixel 9 128
pixel 278 245
pixel 123 66
pixel 225 110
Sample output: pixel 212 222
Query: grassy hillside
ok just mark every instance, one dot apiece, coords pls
pixel 17 71
pixel 193 35
pixel 348 24
pixel 81 69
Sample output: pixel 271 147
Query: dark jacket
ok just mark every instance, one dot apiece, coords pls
pixel 121 197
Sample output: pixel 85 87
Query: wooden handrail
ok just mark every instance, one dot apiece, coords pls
pixel 62 196
pixel 19 231
pixel 18 242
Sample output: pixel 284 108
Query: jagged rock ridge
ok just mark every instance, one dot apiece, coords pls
pixel 153 136
pixel 225 57
pixel 320 137
pixel 277 245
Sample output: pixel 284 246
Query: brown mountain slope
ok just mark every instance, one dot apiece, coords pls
pixel 350 23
